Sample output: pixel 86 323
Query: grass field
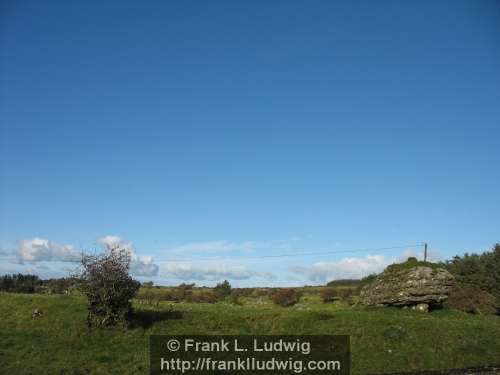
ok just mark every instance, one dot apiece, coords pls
pixel 382 339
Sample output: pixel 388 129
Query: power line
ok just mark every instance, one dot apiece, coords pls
pixel 289 255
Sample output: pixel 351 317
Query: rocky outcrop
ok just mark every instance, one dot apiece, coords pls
pixel 414 284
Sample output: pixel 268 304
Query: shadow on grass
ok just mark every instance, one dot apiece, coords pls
pixel 146 318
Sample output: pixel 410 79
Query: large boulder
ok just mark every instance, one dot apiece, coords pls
pixel 409 284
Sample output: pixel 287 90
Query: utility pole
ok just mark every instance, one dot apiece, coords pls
pixel 425 251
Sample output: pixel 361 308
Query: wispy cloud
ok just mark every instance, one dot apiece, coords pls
pixel 346 268
pixel 215 271
pixel 4 253
pixel 224 246
pixel 214 247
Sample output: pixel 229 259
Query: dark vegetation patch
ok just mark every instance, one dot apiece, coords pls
pixel 223 289
pixel 472 300
pixel 286 297
pixel 478 270
pixel 394 333
pixel 324 316
pixel 19 283
pixel 344 283
pixel 146 318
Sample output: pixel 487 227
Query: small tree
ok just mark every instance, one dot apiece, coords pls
pixel 109 288
pixel 147 284
pixel 223 289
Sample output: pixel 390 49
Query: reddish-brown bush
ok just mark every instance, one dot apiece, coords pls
pixel 345 293
pixel 286 297
pixel 205 297
pixel 472 300
pixel 328 295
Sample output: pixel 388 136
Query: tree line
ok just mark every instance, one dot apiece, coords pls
pixel 481 271
pixel 20 283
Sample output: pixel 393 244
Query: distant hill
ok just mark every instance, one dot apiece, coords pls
pixel 344 282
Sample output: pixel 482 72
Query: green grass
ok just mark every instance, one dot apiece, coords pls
pixel 411 263
pixel 382 339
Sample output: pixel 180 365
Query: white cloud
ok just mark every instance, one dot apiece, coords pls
pixel 42 249
pixel 218 271
pixel 139 265
pixel 346 268
pixel 110 242
pixel 143 266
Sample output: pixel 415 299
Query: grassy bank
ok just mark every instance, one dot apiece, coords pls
pixel 382 339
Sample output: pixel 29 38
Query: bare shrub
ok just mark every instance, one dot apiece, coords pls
pixel 286 297
pixel 105 281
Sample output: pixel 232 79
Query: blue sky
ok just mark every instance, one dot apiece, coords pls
pixel 205 130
